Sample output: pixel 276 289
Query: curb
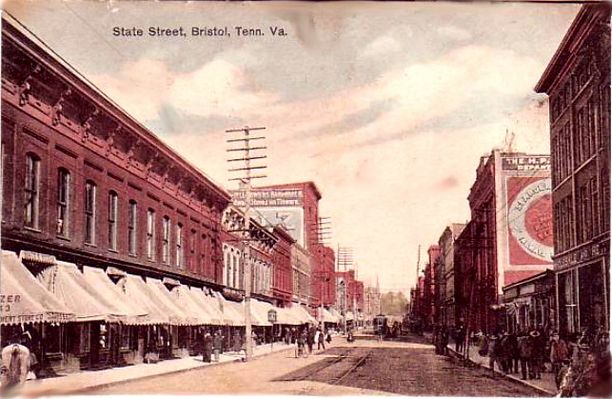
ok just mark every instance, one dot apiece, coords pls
pixel 499 373
pixel 139 378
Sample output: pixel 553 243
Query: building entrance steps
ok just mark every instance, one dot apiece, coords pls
pixel 84 381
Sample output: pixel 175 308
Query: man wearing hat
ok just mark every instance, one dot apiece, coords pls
pixel 537 354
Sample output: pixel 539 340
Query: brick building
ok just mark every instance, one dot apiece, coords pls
pixel 445 274
pixel 509 236
pixel 577 81
pixel 87 186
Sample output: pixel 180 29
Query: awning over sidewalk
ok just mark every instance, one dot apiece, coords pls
pixel 99 280
pixel 328 317
pixel 210 303
pixel 233 313
pixel 189 304
pixel 304 316
pixel 138 292
pixel 259 313
pixel 66 283
pixel 164 299
pixel 24 299
pixel 285 316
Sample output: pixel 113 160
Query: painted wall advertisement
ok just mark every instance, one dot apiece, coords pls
pixel 277 206
pixel 529 220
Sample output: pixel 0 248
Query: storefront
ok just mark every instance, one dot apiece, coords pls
pixel 530 303
pixel 583 293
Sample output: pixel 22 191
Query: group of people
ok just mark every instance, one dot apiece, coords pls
pixel 307 337
pixel 530 349
pixel 442 335
pixel 212 346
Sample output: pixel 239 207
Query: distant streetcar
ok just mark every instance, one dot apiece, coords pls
pixel 380 324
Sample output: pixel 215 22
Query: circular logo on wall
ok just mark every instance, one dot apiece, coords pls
pixel 530 219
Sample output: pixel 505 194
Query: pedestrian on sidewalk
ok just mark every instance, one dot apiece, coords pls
pixel 505 352
pixel 328 337
pixel 525 351
pixel 316 338
pixel 444 340
pixel 537 352
pixel 494 352
pixel 217 345
pixel 207 347
pixel 459 337
pixel 300 342
pixel 310 340
pixel 559 354
pixel 321 341
pixel 514 353
pixel 237 341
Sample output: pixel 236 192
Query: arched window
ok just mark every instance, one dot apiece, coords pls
pixel 32 191
pixel 150 234
pixel 166 240
pixel 132 225
pixel 63 202
pixel 113 201
pixel 90 212
pixel 179 246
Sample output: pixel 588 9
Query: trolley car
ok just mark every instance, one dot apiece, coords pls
pixel 380 324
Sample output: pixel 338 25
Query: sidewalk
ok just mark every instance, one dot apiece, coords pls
pixel 89 380
pixel 545 385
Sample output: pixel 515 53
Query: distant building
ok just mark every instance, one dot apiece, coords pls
pixel 577 81
pixel 445 274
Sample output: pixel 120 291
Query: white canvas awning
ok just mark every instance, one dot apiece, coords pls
pixel 99 280
pixel 25 299
pixel 67 283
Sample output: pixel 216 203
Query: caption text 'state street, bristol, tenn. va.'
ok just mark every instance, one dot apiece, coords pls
pixel 198 31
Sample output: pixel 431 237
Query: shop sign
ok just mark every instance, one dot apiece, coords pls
pixel 519 163
pixel 7 300
pixel 583 254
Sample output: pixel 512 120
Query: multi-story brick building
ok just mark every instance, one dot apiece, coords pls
pixel 324 282
pixel 510 232
pixel 577 81
pixel 282 282
pixel 445 274
pixel 85 183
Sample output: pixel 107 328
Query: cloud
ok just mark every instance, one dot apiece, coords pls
pixel 454 33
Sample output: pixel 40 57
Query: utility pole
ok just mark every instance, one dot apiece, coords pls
pixel 247 150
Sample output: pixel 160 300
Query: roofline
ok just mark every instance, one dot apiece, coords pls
pixel 19 34
pixel 309 183
pixel 550 73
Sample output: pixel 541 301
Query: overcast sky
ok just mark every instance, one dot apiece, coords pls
pixel 386 107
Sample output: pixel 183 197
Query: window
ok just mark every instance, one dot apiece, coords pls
pixel 166 240
pixel 113 199
pixel 90 213
pixel 191 262
pixel 151 234
pixel 32 187
pixel 63 201
pixel 132 220
pixel 179 245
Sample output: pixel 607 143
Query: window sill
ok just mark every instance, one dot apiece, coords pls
pixel 63 237
pixel 32 229
pixel 132 255
pixel 87 244
pixel 113 251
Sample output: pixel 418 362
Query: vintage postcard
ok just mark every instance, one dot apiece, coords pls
pixel 305 198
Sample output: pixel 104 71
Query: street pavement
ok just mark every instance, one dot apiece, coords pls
pixel 365 367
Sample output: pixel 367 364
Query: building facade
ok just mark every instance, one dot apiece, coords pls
pixel 446 274
pixel 577 81
pixel 510 235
